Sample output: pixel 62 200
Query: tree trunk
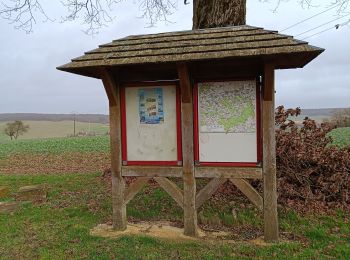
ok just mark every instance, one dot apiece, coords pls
pixel 218 13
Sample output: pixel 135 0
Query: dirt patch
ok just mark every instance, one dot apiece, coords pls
pixel 163 230
pixel 54 163
pixel 167 231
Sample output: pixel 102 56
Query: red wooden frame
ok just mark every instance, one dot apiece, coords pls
pixel 258 130
pixel 178 162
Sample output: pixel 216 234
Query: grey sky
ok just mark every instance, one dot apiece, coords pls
pixel 29 81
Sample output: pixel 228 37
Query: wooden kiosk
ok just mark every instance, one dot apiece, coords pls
pixel 194 104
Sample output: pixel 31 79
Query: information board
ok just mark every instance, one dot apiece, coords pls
pixel 150 124
pixel 227 124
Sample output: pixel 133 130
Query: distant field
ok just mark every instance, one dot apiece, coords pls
pixel 50 129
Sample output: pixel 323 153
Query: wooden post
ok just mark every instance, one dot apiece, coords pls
pixel 269 156
pixel 190 212
pixel 118 184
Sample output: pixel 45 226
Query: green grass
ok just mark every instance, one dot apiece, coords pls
pixel 51 129
pixel 55 145
pixel 59 228
pixel 341 136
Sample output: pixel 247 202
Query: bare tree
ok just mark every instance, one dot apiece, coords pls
pixel 15 129
pixel 341 118
pixel 96 14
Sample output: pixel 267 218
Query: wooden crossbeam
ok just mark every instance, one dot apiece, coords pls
pixel 134 188
pixel 151 171
pixel 172 189
pixel 229 172
pixel 247 189
pixel 205 193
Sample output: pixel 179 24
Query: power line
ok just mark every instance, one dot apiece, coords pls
pixel 322 25
pixel 285 29
pixel 337 26
pixel 330 28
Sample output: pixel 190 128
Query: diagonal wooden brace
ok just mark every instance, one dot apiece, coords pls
pixel 247 189
pixel 205 193
pixel 134 188
pixel 172 189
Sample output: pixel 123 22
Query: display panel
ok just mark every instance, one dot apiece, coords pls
pixel 227 123
pixel 151 125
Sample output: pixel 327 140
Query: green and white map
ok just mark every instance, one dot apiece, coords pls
pixel 227 107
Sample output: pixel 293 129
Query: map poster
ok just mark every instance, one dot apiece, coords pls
pixel 151 105
pixel 227 108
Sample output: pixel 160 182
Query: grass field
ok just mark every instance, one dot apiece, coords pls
pixel 56 145
pixel 59 228
pixel 341 136
pixel 50 129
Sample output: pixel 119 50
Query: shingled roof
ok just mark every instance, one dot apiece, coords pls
pixel 194 45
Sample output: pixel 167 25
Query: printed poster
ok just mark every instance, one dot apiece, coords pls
pixel 226 107
pixel 151 106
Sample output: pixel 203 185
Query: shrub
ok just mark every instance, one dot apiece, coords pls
pixel 311 171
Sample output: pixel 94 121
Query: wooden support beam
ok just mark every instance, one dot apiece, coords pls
pixel 269 156
pixel 118 184
pixel 228 172
pixel 269 82
pixel 205 193
pixel 185 83
pixel 247 189
pixel 152 171
pixel 110 86
pixel 172 189
pixel 134 188
pixel 190 212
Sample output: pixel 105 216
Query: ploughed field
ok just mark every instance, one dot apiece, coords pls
pixel 79 198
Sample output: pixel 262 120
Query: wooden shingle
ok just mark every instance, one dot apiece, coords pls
pixel 196 45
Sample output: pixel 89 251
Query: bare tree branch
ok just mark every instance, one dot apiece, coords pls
pixel 157 10
pixel 22 13
pixel 95 13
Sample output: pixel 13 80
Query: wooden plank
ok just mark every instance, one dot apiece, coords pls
pixel 253 45
pixel 172 189
pixel 304 52
pixel 225 70
pixel 151 171
pixel 134 188
pixel 185 84
pixel 205 193
pixel 265 36
pixel 245 187
pixel 190 212
pixel 269 82
pixel 118 184
pixel 269 157
pixel 191 36
pixel 228 172
pixel 110 87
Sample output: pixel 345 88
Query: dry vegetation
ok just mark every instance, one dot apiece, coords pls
pixel 312 173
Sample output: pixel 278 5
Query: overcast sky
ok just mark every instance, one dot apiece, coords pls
pixel 29 80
